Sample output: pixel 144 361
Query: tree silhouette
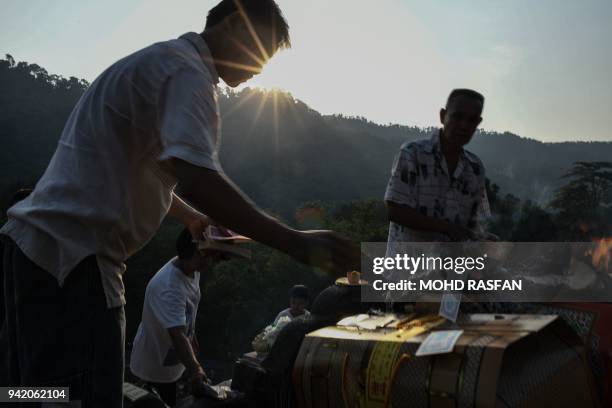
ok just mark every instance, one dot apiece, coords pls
pixel 503 210
pixel 535 225
pixel 583 203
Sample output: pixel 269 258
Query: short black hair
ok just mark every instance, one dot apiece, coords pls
pixel 265 12
pixel 185 247
pixel 300 292
pixel 470 93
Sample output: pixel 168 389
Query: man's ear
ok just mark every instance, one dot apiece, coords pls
pixel 442 115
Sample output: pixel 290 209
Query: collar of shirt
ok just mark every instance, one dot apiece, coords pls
pixel 433 147
pixel 200 45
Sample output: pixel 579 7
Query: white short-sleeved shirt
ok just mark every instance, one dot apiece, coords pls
pixel 287 313
pixel 420 180
pixel 171 300
pixel 108 186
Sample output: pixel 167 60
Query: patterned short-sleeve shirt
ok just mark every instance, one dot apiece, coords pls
pixel 420 180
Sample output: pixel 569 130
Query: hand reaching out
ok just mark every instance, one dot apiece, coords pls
pixel 198 381
pixel 328 251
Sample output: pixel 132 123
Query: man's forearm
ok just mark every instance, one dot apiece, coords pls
pixel 181 211
pixel 409 217
pixel 185 352
pixel 227 205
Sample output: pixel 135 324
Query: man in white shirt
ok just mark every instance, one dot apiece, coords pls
pixel 165 343
pixel 146 125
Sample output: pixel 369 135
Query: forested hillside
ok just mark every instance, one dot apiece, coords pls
pixel 280 151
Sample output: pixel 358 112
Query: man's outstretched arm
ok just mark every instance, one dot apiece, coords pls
pixel 213 194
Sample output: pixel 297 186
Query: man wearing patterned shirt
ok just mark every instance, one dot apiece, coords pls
pixel 437 188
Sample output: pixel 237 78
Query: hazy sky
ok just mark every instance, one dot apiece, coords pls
pixel 544 66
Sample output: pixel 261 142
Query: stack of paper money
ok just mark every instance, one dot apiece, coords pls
pixel 217 238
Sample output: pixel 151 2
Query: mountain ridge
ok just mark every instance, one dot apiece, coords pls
pixel 278 149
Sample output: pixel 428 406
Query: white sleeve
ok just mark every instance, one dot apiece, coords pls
pixel 169 308
pixel 282 313
pixel 278 316
pixel 403 185
pixel 188 120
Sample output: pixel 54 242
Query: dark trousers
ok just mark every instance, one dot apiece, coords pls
pixel 60 336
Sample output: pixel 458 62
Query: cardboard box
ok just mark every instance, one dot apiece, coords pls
pixel 499 361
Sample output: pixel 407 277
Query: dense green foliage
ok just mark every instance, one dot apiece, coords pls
pixel 312 171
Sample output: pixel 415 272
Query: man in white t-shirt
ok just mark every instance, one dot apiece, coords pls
pixel 165 341
pixel 147 125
